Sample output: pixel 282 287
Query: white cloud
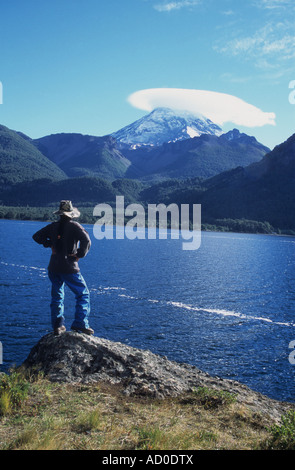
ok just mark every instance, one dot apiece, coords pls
pixel 273 44
pixel 175 5
pixel 274 4
pixel 228 12
pixel 219 107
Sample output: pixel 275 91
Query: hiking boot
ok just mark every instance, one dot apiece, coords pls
pixel 87 331
pixel 58 331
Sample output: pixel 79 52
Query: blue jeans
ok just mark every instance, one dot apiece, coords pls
pixel 77 284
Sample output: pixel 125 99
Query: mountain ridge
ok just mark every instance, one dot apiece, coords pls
pixel 203 156
pixel 258 184
pixel 263 192
pixel 164 125
pixel 84 155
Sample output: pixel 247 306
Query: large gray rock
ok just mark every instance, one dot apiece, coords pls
pixel 77 358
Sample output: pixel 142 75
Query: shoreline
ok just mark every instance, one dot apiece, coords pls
pixel 137 371
pixel 206 227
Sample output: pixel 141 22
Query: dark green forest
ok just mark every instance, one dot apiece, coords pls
pixel 258 198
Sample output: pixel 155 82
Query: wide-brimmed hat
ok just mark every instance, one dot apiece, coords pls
pixel 66 208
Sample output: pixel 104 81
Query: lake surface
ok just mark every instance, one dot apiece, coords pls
pixel 227 308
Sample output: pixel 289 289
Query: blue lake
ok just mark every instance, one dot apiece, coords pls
pixel 227 308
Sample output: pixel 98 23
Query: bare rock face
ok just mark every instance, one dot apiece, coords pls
pixel 77 358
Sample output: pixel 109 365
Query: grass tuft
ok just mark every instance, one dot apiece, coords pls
pixel 40 415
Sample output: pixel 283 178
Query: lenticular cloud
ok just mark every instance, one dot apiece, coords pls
pixel 218 107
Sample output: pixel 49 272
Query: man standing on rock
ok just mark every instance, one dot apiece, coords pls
pixel 69 242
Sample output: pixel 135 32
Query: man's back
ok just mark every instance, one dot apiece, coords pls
pixel 68 240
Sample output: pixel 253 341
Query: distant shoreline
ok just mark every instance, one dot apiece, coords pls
pixel 45 214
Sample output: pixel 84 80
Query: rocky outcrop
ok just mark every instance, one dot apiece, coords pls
pixel 76 358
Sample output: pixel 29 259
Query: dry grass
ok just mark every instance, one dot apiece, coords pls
pixel 100 417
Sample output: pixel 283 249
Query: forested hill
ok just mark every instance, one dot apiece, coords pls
pixel 21 161
pixel 264 191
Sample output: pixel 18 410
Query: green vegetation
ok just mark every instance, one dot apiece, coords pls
pixel 283 436
pixel 45 214
pixel 84 191
pixel 13 391
pixel 102 162
pixel 84 155
pixel 50 416
pixel 21 161
pixel 205 157
pixel 38 199
pixel 240 226
pixel 211 398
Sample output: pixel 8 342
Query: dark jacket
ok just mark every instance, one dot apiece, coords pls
pixel 66 237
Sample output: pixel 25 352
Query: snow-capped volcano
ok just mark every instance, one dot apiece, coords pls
pixel 165 125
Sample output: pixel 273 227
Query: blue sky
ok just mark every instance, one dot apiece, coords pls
pixel 70 66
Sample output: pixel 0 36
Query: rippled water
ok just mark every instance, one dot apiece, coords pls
pixel 227 308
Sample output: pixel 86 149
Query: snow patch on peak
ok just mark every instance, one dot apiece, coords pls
pixel 166 125
pixel 192 132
